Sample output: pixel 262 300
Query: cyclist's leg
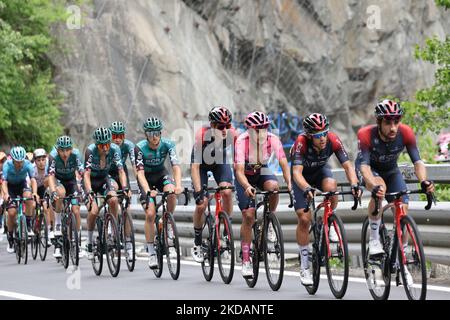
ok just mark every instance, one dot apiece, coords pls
pixel 110 190
pixel 248 217
pixel 71 188
pixel 224 178
pixel 269 182
pixel 303 224
pixel 150 213
pixel 200 209
pixel 97 187
pixel 324 178
pixel 14 191
pixel 167 184
pixel 30 206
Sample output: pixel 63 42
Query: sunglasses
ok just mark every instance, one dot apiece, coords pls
pixel 320 134
pixel 104 145
pixel 395 119
pixel 222 126
pixel 152 134
pixel 118 136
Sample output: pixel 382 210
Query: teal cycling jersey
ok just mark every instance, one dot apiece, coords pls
pixel 152 160
pixel 127 149
pixel 65 171
pixel 13 176
pixel 92 160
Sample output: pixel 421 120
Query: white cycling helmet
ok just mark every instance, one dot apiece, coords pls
pixel 39 153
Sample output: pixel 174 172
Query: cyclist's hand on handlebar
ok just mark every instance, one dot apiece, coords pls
pixel 250 192
pixel 289 187
pixel 427 186
pixel 54 196
pixel 91 195
pixel 199 196
pixel 153 193
pixel 36 197
pixel 356 191
pixel 178 190
pixel 309 193
pixel 378 192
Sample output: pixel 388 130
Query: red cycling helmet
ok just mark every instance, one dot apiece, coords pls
pixel 257 120
pixel 220 115
pixel 315 122
pixel 388 108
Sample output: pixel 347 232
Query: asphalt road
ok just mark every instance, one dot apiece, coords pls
pixel 49 280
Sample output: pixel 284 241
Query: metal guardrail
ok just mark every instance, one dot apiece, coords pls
pixel 434 224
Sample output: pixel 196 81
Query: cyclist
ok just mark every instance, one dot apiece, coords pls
pixel 15 172
pixel 213 147
pixel 3 159
pixel 99 157
pixel 126 148
pixel 150 155
pixel 379 148
pixel 253 150
pixel 310 154
pixel 65 172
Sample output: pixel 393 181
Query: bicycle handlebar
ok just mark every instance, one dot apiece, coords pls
pixel 430 198
pixel 329 194
pixel 165 194
pixel 268 193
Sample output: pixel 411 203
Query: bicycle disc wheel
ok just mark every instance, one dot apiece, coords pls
pixel 274 252
pixel 43 237
pixel 72 234
pixel 24 239
pixel 378 290
pixel 112 245
pixel 208 248
pixel 337 263
pixel 254 256
pixel 34 241
pixel 225 257
pixel 315 257
pixel 98 247
pixel 171 246
pixel 415 261
pixel 128 241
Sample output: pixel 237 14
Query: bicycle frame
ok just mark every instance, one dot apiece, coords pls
pixel 218 198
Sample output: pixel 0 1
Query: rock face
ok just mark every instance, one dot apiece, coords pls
pixel 175 59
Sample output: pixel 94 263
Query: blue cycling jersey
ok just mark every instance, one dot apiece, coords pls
pixel 13 176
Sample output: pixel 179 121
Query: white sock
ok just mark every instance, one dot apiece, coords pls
pixel 90 236
pixel 374 226
pixel 304 256
pixel 151 249
pixel 58 218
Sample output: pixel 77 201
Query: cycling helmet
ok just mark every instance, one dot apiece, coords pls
pixel 39 153
pixel 315 122
pixel 256 120
pixel 63 142
pixel 153 124
pixel 220 115
pixel 102 135
pixel 388 108
pixel 117 127
pixel 18 153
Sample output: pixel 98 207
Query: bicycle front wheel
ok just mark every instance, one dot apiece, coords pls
pixel 98 247
pixel 43 237
pixel 336 257
pixel 413 268
pixel 112 245
pixel 24 239
pixel 34 241
pixel 208 248
pixel 171 246
pixel 254 255
pixel 72 235
pixel 225 256
pixel 315 257
pixel 128 241
pixel 274 252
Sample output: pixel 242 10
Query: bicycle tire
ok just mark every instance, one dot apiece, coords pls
pixel 315 230
pixel 97 250
pixel 34 239
pixel 112 245
pixel 342 254
pixel 74 249
pixel 277 251
pixel 171 245
pixel 65 250
pixel 254 256
pixel 24 239
pixel 417 252
pixel 43 238
pixel 377 292
pixel 208 249
pixel 226 249
pixel 128 220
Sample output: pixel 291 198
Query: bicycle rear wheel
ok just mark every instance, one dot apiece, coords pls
pixel 415 260
pixel 24 239
pixel 129 241
pixel 225 256
pixel 43 237
pixel 112 245
pixel 208 248
pixel 273 252
pixel 72 235
pixel 378 290
pixel 171 246
pixel 315 257
pixel 98 247
pixel 34 241
pixel 337 264
pixel 254 255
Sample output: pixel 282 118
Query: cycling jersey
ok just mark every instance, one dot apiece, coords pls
pixel 151 160
pixel 92 160
pixel 254 155
pixel 40 177
pixel 204 149
pixel 380 155
pixel 304 154
pixel 65 171
pixel 17 177
pixel 127 149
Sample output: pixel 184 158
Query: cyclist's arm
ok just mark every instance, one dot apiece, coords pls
pixel 421 171
pixel 240 175
pixel 142 180
pixel 177 175
pixel 87 171
pixel 4 188
pixel 122 177
pixel 286 172
pixel 33 185
pixel 368 176
pixel 413 151
pixel 195 176
pixel 297 175
pixel 350 172
pixel 140 174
